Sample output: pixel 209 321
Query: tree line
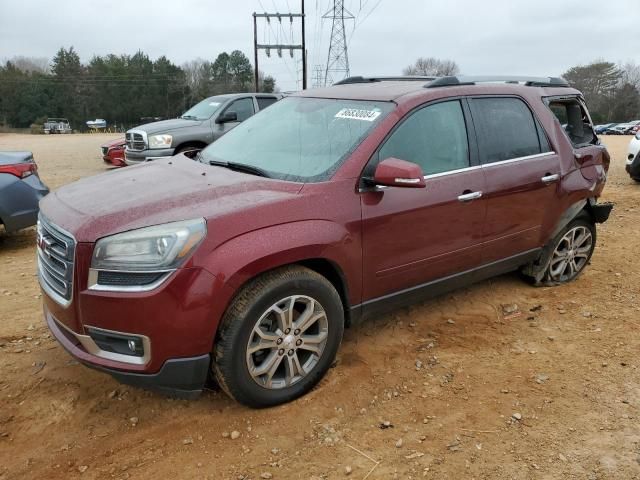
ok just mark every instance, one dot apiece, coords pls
pixel 611 91
pixel 122 89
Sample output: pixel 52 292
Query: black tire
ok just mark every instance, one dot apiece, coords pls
pixel 189 150
pixel 551 276
pixel 230 353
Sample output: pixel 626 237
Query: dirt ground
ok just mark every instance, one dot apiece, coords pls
pixel 466 391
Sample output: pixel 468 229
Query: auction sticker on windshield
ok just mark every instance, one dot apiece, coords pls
pixel 358 114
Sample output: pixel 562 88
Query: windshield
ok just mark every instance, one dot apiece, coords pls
pixel 299 139
pixel 202 110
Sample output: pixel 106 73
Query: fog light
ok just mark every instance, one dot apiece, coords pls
pixel 117 342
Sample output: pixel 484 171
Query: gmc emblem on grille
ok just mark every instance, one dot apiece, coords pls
pixel 43 244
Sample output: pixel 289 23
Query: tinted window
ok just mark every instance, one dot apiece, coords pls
pixel 243 108
pixel 506 129
pixel 575 121
pixel 264 102
pixel 434 137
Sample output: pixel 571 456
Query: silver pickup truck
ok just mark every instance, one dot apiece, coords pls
pixel 195 129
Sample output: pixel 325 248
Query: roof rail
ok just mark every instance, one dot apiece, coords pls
pixel 473 80
pixel 406 78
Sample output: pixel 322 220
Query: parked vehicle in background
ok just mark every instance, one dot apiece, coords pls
pixel 113 152
pixel 97 124
pixel 195 129
pixel 57 125
pixel 601 129
pixel 332 205
pixel 623 128
pixel 633 158
pixel 20 190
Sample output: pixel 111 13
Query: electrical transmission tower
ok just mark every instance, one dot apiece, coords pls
pixel 338 59
pixel 318 76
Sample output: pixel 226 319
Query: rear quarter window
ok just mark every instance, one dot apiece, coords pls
pixel 574 120
pixel 264 102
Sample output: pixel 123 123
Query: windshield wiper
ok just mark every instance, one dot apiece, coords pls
pixel 189 117
pixel 241 167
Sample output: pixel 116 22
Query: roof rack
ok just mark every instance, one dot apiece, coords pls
pixel 406 78
pixel 473 80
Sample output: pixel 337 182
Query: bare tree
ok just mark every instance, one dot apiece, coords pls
pixel 630 74
pixel 431 66
pixel 198 77
pixel 31 64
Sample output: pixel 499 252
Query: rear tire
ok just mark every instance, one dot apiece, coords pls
pixel 570 252
pixel 279 337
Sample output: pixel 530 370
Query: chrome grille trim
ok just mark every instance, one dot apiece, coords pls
pixel 55 255
pixel 136 140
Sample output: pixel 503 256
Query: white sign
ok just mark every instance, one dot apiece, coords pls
pixel 357 114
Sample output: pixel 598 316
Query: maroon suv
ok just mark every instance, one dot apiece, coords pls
pixel 327 207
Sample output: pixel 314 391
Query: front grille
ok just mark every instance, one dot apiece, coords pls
pixel 56 251
pixel 135 141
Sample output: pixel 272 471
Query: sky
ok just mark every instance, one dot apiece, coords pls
pixel 541 37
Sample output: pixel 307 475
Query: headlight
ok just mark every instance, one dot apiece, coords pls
pixel 160 141
pixel 162 247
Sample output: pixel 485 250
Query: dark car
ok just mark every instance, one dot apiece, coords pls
pixel 113 152
pixel 328 207
pixel 196 128
pixel 20 190
pixel 602 129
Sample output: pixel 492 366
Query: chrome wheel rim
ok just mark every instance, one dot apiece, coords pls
pixel 287 342
pixel 571 254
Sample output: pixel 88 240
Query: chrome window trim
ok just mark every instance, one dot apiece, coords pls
pixel 92 282
pixel 519 159
pixel 92 347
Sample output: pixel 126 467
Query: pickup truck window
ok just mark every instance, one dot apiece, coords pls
pixel 299 139
pixel 201 111
pixel 243 108
pixel 264 102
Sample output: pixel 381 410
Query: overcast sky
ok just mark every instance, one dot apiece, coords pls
pixel 538 37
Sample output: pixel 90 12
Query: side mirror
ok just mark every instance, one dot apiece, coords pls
pixel 393 172
pixel 227 117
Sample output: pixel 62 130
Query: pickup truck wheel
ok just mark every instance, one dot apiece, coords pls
pixel 572 250
pixel 279 337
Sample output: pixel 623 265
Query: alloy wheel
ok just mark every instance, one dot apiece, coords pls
pixel 287 342
pixel 571 254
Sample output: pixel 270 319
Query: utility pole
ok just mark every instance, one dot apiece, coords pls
pixel 337 59
pixel 279 47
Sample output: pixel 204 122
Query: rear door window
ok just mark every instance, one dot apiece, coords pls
pixel 264 102
pixel 575 121
pixel 506 129
pixel 243 108
pixel 434 137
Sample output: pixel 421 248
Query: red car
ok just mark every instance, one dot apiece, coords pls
pixel 113 152
pixel 328 207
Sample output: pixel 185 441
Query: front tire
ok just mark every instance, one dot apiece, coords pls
pixel 279 337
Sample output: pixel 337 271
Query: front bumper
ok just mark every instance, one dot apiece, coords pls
pixel 134 157
pixel 180 377
pixel 633 167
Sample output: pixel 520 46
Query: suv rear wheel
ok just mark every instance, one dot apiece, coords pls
pixel 572 250
pixel 279 337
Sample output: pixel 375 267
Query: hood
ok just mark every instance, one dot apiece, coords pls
pixel 164 126
pixel 114 143
pixel 163 191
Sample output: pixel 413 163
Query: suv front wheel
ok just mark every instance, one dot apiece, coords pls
pixel 279 337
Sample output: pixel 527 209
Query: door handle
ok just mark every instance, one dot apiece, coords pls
pixel 547 179
pixel 469 196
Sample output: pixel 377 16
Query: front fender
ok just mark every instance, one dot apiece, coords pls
pixel 248 255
